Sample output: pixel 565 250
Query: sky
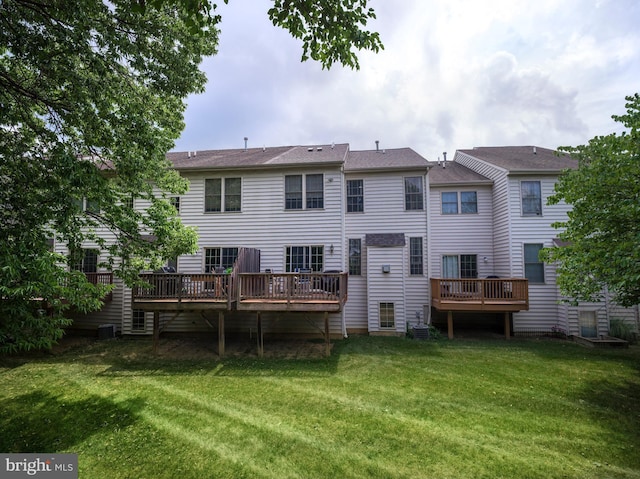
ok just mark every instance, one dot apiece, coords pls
pixel 454 74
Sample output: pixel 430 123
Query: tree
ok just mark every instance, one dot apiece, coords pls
pixel 602 231
pixel 91 99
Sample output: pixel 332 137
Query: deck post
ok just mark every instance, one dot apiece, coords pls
pixel 260 338
pixel 220 334
pixel 507 328
pixel 327 338
pixel 450 324
pixel 156 331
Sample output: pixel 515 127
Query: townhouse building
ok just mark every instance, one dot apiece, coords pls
pixel 321 239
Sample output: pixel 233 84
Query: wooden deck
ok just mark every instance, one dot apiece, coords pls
pixel 183 292
pixel 495 295
pixel 101 278
pixel 304 292
pixel 505 295
pixel 251 292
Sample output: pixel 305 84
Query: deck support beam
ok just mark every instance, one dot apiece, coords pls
pixel 507 326
pixel 327 338
pixel 450 324
pixel 156 331
pixel 220 334
pixel 260 336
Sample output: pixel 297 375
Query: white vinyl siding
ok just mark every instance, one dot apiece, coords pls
pixel 384 212
pixel 461 234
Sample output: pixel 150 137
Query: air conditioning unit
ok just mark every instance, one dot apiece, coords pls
pixel 106 331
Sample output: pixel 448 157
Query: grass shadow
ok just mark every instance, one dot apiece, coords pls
pixel 43 422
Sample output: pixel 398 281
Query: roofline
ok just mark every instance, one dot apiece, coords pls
pixel 537 172
pixel 262 166
pixel 463 183
pixel 389 168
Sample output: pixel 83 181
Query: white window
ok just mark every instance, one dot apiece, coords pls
pixel 307 187
pixel 222 195
pixel 138 322
pixel 355 196
pixel 468 202
pixel 416 257
pixel 531 198
pixel 533 267
pixel 304 258
pixel 588 321
pixel 175 202
pixel 460 266
pixel 84 260
pixel 387 316
pixel 355 256
pixel 218 259
pixel 413 193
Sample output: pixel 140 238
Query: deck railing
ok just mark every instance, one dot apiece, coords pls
pixel 183 287
pixel 487 291
pixel 293 286
pixel 101 278
pixel 266 287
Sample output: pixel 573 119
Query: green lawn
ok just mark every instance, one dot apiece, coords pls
pixel 378 407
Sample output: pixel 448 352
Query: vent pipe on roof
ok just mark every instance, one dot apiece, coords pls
pixel 444 162
pixel 377 145
pixel 534 151
pixel 245 143
pixel 188 154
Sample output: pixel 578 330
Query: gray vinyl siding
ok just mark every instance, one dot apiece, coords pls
pixel 384 212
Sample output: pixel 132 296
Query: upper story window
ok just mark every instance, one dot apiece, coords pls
pixel 531 198
pixel 304 258
pixel 449 202
pixel 413 193
pixel 533 267
pixel 218 259
pixel 88 205
pixel 355 256
pixel 468 202
pixel 355 196
pixel 309 188
pixel 175 202
pixel 222 195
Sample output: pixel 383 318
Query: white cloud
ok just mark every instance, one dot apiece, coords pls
pixel 454 74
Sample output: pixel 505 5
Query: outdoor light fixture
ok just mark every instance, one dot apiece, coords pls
pixel 331 249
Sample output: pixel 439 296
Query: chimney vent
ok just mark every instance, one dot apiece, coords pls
pixel 245 143
pixel 377 145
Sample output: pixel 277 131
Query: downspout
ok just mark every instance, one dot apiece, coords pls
pixel 427 313
pixel 345 246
